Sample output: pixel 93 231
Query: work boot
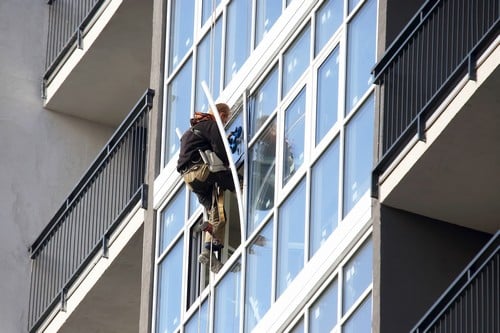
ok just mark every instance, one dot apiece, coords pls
pixel 206 257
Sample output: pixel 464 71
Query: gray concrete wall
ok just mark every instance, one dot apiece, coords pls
pixel 417 259
pixel 42 154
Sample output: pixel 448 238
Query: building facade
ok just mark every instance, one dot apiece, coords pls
pixel 364 132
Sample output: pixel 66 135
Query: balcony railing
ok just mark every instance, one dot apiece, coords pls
pixel 68 20
pixel 111 187
pixel 471 303
pixel 438 46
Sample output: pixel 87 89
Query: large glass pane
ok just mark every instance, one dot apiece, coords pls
pixel 209 7
pixel 323 313
pixel 328 95
pixel 181 31
pixel 172 219
pixel 261 175
pixel 328 20
pixel 357 275
pixel 268 12
pixel 358 155
pixel 237 37
pixel 290 254
pixel 258 277
pixel 296 59
pixel 168 313
pixel 263 101
pixel 324 198
pixel 360 53
pixel 208 66
pixel 178 109
pixel 199 320
pixel 293 144
pixel 361 320
pixel 227 301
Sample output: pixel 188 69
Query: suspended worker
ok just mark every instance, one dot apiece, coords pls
pixel 201 139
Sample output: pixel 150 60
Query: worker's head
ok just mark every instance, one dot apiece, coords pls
pixel 224 112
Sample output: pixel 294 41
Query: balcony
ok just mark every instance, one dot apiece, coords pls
pixel 470 304
pixel 98 57
pixel 439 115
pixel 90 252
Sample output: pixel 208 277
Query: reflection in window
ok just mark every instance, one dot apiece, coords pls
pixel 328 95
pixel 324 197
pixel 361 320
pixel 208 66
pixel 264 101
pixel 296 59
pixel 323 313
pixel 194 203
pixel 290 254
pixel 178 109
pixel 172 219
pixel 258 277
pixel 261 173
pixel 237 37
pixel 199 321
pixel 208 9
pixel 359 151
pixel 360 53
pixel 357 275
pixel 294 136
pixel 181 33
pixel 227 301
pixel 169 291
pixel 328 20
pixel 268 12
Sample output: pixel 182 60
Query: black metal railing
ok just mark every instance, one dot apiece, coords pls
pixel 472 302
pixel 113 184
pixel 438 46
pixel 68 20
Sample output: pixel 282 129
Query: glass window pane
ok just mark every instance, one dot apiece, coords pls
pixel 357 275
pixel 359 155
pixel 361 320
pixel 168 313
pixel 328 95
pixel 268 12
pixel 194 203
pixel 296 59
pixel 181 33
pixel 299 327
pixel 178 109
pixel 328 20
pixel 264 101
pixel 259 277
pixel 353 4
pixel 291 238
pixel 172 219
pixel 227 301
pixel 208 67
pixel 294 136
pixel 261 174
pixel 208 9
pixel 323 313
pixel 324 197
pixel 237 37
pixel 199 320
pixel 360 53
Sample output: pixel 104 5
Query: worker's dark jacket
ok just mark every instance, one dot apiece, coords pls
pixel 201 136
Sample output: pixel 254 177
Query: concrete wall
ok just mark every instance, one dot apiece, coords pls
pixel 42 154
pixel 417 258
